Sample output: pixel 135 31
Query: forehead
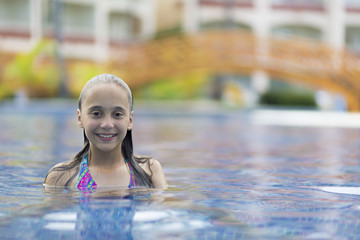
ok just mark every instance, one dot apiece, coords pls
pixel 106 94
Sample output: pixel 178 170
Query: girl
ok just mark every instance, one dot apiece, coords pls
pixel 105 112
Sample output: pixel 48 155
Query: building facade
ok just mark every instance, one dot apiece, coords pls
pixel 336 22
pixel 86 28
pixel 89 29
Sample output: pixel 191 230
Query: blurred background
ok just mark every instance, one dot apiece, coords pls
pixel 240 53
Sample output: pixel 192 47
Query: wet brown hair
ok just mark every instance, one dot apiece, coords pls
pixel 141 177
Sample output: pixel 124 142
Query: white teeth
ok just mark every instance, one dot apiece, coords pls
pixel 105 136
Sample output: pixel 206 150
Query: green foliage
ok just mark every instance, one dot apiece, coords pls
pixel 80 73
pixel 288 98
pixel 187 86
pixel 36 71
pixel 6 90
pixel 175 31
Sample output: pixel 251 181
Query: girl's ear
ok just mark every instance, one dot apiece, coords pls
pixel 79 119
pixel 130 121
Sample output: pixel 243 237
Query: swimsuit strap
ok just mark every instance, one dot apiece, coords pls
pixel 85 181
pixel 132 177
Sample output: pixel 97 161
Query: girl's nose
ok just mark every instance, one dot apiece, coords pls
pixel 107 122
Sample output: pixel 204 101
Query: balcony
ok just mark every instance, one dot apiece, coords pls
pixel 299 5
pixel 227 3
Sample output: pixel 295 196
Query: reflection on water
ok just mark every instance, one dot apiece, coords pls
pixel 230 178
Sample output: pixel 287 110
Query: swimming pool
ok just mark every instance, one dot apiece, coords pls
pixel 232 175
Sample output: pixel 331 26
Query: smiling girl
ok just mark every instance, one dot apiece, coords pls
pixel 105 112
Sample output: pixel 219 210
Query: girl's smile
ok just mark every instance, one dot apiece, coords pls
pixel 106 137
pixel 107 159
pixel 106 116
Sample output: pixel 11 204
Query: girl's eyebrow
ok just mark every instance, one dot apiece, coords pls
pixel 121 109
pixel 94 107
pixel 118 108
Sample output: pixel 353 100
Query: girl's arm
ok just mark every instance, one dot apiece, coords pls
pixel 57 177
pixel 158 177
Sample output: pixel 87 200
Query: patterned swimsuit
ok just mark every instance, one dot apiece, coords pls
pixel 85 181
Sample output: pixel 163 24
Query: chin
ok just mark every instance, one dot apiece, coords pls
pixel 107 149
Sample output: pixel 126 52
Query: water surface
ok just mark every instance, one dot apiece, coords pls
pixel 231 176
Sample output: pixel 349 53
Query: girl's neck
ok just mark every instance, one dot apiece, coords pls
pixel 102 159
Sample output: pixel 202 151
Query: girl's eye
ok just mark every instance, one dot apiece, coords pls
pixel 96 114
pixel 118 114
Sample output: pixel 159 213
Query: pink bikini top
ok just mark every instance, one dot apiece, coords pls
pixel 85 181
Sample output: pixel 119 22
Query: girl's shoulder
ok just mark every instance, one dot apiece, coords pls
pixel 59 174
pixel 146 163
pixel 153 168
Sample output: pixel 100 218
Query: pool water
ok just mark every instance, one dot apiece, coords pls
pixel 231 175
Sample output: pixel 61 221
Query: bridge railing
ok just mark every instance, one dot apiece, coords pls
pixel 293 59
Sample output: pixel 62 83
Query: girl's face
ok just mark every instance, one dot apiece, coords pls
pixel 105 116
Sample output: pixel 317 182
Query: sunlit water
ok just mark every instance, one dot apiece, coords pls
pixel 230 176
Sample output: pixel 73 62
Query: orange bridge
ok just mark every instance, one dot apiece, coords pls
pixel 310 62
